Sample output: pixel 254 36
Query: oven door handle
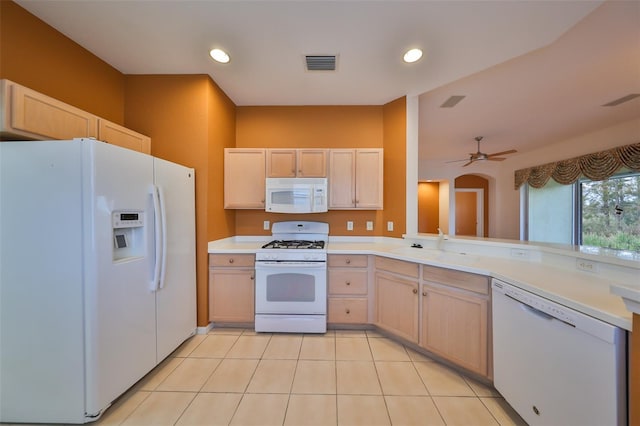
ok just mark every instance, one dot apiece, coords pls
pixel 279 265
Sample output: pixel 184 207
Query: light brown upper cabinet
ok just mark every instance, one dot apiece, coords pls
pixel 27 114
pixel 244 171
pixel 355 179
pixel 121 136
pixel 30 115
pixel 296 163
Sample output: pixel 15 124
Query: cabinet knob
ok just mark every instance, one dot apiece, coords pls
pixel 348 310
pixel 348 283
pixel 348 261
pixel 424 293
pixel 252 277
pixel 415 291
pixel 231 260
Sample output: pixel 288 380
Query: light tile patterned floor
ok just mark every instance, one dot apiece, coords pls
pixel 238 377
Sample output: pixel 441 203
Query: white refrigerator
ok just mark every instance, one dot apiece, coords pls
pixel 97 274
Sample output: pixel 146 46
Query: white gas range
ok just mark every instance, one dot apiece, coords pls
pixel 291 279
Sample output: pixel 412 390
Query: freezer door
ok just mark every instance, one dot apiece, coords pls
pixel 119 301
pixel 41 305
pixel 176 296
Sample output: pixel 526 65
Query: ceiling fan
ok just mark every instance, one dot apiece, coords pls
pixel 481 156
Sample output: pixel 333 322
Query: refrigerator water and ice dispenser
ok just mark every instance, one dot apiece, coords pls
pixel 128 234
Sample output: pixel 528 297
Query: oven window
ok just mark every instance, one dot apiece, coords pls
pixel 291 287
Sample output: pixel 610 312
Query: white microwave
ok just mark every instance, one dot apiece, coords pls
pixel 296 195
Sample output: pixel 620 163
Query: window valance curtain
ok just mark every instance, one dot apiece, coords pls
pixel 597 166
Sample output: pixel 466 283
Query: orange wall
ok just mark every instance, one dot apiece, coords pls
pixel 34 54
pixel 395 166
pixel 330 127
pixel 472 181
pixel 190 121
pixel 428 207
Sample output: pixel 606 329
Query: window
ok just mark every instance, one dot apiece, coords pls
pixel 610 212
pixel 601 214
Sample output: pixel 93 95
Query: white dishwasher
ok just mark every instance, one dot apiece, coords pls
pixel 554 365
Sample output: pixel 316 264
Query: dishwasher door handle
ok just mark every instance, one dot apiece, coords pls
pixel 535 311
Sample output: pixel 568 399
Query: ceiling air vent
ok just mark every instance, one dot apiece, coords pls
pixel 452 101
pixel 622 100
pixel 321 62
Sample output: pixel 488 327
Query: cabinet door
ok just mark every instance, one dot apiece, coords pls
pixel 312 163
pixel 244 175
pixel 454 325
pixel 281 163
pixel 369 175
pixel 231 295
pixel 121 136
pixel 36 116
pixel 397 305
pixel 342 179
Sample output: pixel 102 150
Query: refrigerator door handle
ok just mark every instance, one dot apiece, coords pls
pixel 157 215
pixel 163 216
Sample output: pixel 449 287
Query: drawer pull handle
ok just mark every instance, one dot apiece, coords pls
pixel 348 310
pixel 348 261
pixel 231 260
pixel 348 283
pixel 415 291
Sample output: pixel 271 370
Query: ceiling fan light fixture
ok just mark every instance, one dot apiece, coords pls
pixel 412 55
pixel 219 55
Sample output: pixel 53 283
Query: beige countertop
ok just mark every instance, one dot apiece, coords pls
pixel 552 274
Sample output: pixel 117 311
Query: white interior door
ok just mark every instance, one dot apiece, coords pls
pixel 176 300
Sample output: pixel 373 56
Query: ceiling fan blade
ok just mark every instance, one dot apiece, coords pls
pixel 456 161
pixel 468 163
pixel 496 158
pixel 495 154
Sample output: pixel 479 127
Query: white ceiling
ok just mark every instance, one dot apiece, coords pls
pixel 480 49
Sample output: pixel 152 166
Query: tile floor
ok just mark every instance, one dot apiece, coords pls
pixel 238 377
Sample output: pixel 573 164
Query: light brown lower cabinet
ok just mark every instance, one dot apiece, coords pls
pixel 231 288
pixel 397 305
pixel 454 326
pixel 455 317
pixel 348 289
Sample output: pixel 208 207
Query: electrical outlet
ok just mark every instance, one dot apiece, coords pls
pixel 390 226
pixel 349 225
pixel 586 265
pixel 369 225
pixel 519 253
pixel 265 225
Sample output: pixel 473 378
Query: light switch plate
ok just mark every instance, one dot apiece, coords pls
pixel 349 225
pixel 369 225
pixel 265 225
pixel 390 225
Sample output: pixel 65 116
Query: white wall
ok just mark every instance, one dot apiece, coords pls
pixel 504 200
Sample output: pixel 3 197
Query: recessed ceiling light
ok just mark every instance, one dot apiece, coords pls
pixel 412 55
pixel 219 55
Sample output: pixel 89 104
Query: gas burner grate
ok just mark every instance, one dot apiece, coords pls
pixel 294 244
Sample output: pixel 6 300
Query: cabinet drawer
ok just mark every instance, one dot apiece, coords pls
pixel 347 310
pixel 398 266
pixel 459 279
pixel 235 260
pixel 348 260
pixel 347 281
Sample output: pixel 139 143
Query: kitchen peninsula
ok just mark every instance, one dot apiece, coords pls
pixel 440 297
